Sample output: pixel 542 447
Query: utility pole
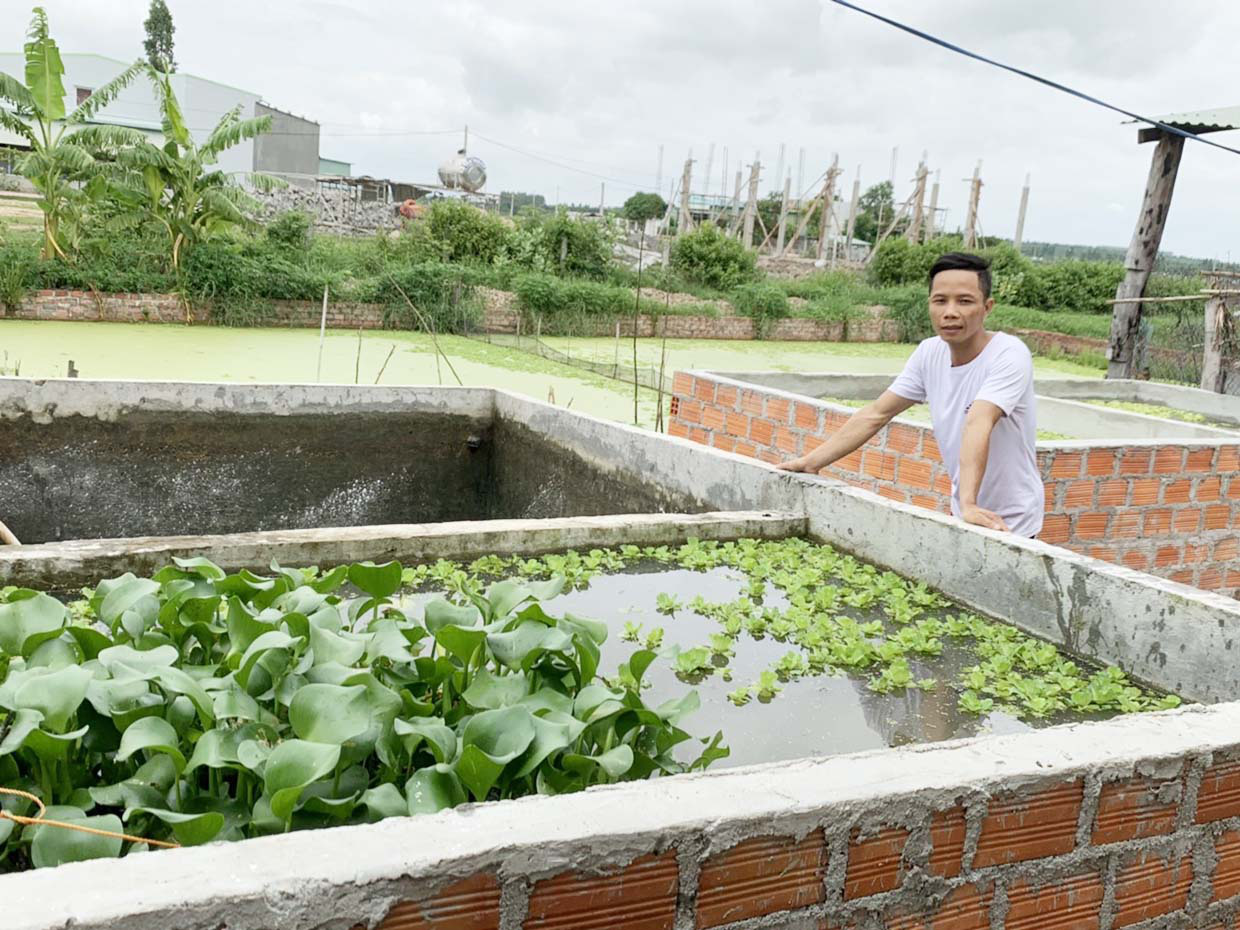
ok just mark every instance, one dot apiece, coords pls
pixel 932 219
pixel 602 196
pixel 852 214
pixel 970 219
pixel 710 159
pixel 685 222
pixel 751 204
pixel 723 176
pixel 800 175
pixel 779 166
pixel 913 233
pixel 783 216
pixel 828 197
pixel 658 184
pixel 1020 216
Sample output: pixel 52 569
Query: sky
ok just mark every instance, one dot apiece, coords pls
pixel 561 96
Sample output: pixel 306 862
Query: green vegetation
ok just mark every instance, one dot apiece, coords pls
pixel 843 617
pixel 196 705
pixel 158 44
pixel 763 302
pixel 642 207
pixel 709 257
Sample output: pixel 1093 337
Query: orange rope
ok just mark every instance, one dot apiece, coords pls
pixel 39 821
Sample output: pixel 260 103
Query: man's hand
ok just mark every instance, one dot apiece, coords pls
pixel 979 516
pixel 801 463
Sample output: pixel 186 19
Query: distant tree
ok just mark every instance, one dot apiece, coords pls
pixel 643 206
pixel 874 211
pixel 159 30
pixel 514 201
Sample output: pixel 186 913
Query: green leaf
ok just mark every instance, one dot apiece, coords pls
pixel 44 71
pixel 189 829
pixel 54 746
pixel 125 595
pixel 432 789
pixel 430 730
pixel 512 647
pixel 235 704
pixel 384 800
pixel 503 596
pixel 552 733
pixel 56 695
pixel 56 846
pixel 331 647
pixel 202 567
pixel 19 726
pixel 461 642
pixel 215 749
pixel 491 692
pixel 439 613
pixel 273 639
pixel 491 740
pixel 293 765
pixel 376 580
pixel 29 615
pixel 175 681
pixel 331 581
pixel 329 713
pixel 614 762
pixel 152 734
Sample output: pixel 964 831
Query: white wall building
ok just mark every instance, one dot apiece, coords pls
pixel 293 143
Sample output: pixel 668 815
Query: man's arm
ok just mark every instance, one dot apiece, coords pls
pixel 974 452
pixel 861 426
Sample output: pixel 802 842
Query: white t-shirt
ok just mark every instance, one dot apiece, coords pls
pixel 1003 375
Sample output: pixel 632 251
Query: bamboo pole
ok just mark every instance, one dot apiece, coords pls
pixel 318 374
pixel 6 536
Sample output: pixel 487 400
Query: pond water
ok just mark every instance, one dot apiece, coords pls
pixel 823 711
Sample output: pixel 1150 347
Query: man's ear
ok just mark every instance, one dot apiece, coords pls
pixel 990 305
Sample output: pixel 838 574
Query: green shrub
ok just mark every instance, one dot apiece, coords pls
pixel 290 232
pixel 440 294
pixel 567 305
pixel 1078 286
pixel 762 302
pixel 909 307
pixel 465 233
pixel 16 273
pixel 708 256
pixel 586 245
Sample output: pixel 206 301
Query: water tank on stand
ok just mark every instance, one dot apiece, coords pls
pixel 463 172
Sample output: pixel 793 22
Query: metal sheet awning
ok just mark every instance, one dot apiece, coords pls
pixel 1216 119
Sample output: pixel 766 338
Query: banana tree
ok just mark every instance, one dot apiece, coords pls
pixel 176 184
pixel 65 154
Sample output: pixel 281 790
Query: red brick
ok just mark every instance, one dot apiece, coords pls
pixel 1055 529
pixel 892 493
pixel 833 421
pixel 904 439
pixel 1073 903
pixel 930 448
pixel 1136 559
pixel 704 390
pixel 851 462
pixel 1112 493
pixel 753 403
pixel 1078 495
pixel 1219 795
pixel 1199 460
pixel 761 431
pixel 1135 461
pixel 1149 886
pixel 1217 516
pixel 1157 522
pixel 712 418
pixel 471 904
pixel 778 409
pixel 1183 577
pixel 921 500
pixel 1100 463
pixel 1145 491
pixel 1135 809
pixel 874 863
pixel 1207 490
pixel 878 465
pixel 1187 520
pixel 1210 578
pixel 725 396
pixel 806 416
pixel 639 897
pixel 690 411
pixel 699 435
pixel 1169 460
pixel 737 424
pixel 678 428
pixel 1228 460
pixel 724 442
pixel 1126 525
pixel 1227 872
pixel 1178 492
pixel 761 876
pixel 746 448
pixel 964 908
pixel 788 441
pixel 1168 555
pixel 1233 489
pixel 947 830
pixel 1105 553
pixel 682 382
pixel 942 483
pixel 915 473
pixel 1067 465
pixel 673 406
pixel 1092 525
pixel 1227 550
pixel 1030 826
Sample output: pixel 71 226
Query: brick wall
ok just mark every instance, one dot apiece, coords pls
pixel 1094 852
pixel 1172 509
pixel 499 316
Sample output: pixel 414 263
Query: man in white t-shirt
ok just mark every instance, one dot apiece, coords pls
pixel 979 386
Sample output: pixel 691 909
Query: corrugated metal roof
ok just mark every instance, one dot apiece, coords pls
pixel 1218 118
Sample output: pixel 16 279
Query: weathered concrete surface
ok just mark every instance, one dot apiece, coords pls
pixel 1175 637
pixel 341 877
pixel 67 564
pixel 1057 410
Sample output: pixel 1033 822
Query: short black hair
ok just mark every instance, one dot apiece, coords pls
pixel 964 261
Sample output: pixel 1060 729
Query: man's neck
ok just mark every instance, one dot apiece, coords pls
pixel 965 352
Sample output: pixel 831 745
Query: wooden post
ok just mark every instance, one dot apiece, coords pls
pixel 828 198
pixel 1125 352
pixel 1213 372
pixel 913 233
pixel 970 220
pixel 932 217
pixel 751 205
pixel 1020 216
pixel 685 222
pixel 318 372
pixel 807 211
pixel 736 205
pixel 602 196
pixel 852 215
pixel 783 216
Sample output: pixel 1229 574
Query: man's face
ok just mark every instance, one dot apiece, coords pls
pixel 957 308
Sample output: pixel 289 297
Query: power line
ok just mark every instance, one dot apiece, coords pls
pixel 527 154
pixel 1035 77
